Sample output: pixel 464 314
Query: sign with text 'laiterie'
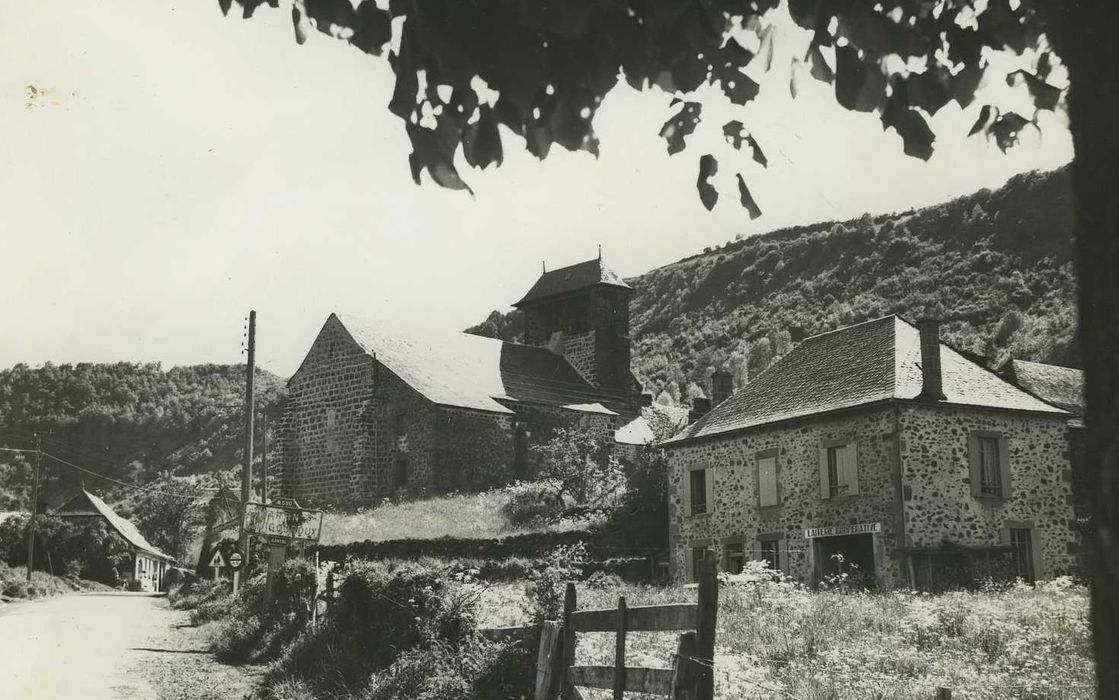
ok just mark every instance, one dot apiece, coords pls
pixel 836 530
pixel 281 521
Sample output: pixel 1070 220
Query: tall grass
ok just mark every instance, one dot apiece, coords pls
pixel 14 584
pixel 475 516
pixel 778 640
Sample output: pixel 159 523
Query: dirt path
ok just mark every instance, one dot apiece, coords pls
pixel 108 647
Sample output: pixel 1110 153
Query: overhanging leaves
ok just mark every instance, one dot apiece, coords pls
pixel 708 166
pixel 747 199
pixel 680 125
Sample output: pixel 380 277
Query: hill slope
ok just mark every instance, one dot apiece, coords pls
pixel 127 421
pixel 996 267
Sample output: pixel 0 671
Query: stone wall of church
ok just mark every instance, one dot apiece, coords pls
pixel 340 441
pixel 579 349
pixel 474 450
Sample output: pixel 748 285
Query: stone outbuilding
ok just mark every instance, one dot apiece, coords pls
pixel 148 564
pixel 376 413
pixel 879 452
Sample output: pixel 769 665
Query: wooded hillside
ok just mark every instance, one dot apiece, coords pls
pixel 995 266
pixel 128 421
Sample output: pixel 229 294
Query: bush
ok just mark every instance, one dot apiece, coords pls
pixel 531 503
pixel 91 551
pixel 379 611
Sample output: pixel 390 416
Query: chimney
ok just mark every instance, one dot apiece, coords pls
pixel 701 405
pixel 722 386
pixel 932 380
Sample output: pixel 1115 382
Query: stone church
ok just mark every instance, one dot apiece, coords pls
pixel 375 413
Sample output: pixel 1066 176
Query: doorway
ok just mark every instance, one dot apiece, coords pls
pixel 846 554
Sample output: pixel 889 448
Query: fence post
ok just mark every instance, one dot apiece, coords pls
pixel 569 603
pixel 620 651
pixel 683 668
pixel 705 628
pixel 943 694
pixel 547 660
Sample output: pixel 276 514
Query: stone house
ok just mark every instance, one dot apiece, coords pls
pixel 878 443
pixel 148 564
pixel 373 412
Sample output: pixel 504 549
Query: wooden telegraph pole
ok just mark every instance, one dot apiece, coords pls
pixel 247 471
pixel 34 509
pixel 264 457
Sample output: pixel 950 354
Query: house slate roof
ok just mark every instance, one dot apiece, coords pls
pixel 86 504
pixel 866 363
pixel 485 374
pixel 572 278
pixel 1060 386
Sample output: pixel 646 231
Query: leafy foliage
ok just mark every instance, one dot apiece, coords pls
pixel 580 468
pixel 996 266
pixel 128 421
pixel 91 551
pixel 541 69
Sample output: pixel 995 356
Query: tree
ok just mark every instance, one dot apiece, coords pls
pixel 170 515
pixel 581 467
pixel 551 63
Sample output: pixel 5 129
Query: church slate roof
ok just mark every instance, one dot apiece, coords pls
pixel 485 374
pixel 863 364
pixel 1060 386
pixel 572 278
pixel 86 504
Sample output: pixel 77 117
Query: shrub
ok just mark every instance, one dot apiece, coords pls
pixel 581 467
pixel 547 586
pixel 531 503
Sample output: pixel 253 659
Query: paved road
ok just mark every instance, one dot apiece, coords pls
pixel 80 646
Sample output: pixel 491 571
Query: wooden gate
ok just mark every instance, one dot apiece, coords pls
pixel 691 676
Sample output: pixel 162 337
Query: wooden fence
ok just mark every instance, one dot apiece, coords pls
pixel 691 676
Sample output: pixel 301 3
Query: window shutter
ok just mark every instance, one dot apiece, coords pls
pixel 824 491
pixel 851 468
pixel 973 464
pixel 709 483
pixel 687 494
pixel 767 481
pixel 1004 466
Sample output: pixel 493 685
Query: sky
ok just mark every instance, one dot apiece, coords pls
pixel 184 168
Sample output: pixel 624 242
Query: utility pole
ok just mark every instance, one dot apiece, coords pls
pixel 34 510
pixel 247 471
pixel 264 458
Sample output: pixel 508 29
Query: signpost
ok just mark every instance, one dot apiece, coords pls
pixel 282 523
pixel 236 560
pixel 217 562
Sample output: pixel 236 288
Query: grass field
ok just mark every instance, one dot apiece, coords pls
pixel 784 641
pixel 476 516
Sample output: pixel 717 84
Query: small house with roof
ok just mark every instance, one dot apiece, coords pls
pixel 880 452
pixel 375 412
pixel 148 564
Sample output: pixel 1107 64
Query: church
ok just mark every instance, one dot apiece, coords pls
pixel 373 413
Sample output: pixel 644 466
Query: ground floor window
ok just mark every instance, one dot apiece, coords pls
pixel 771 553
pixel 1021 540
pixel 698 555
pixel 735 559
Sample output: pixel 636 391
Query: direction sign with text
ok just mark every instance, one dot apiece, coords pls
pixel 282 521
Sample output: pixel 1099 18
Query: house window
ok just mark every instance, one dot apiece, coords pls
pixel 989 465
pixel 990 483
pixel 401 471
pixel 698 555
pixel 839 469
pixel 771 553
pixel 833 471
pixel 698 487
pixel 1021 539
pixel 767 480
pixel 735 558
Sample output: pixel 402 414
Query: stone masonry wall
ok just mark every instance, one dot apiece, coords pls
pixel 939 505
pixel 580 351
pixel 474 449
pixel 736 514
pixel 339 441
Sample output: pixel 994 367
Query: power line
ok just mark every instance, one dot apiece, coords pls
pixel 102 476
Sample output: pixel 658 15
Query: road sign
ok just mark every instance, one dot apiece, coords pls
pixel 274 520
pixel 217 561
pixel 236 560
pixel 285 502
